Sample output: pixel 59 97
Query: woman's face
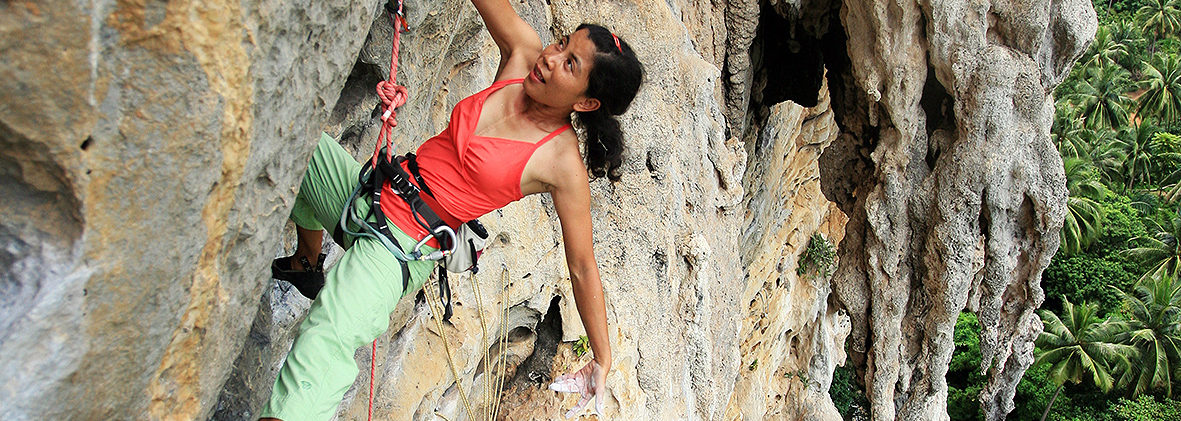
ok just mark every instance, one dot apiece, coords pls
pixel 560 75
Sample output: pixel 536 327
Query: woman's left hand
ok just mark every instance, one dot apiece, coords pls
pixel 590 382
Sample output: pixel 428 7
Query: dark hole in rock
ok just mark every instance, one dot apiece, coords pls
pixel 722 184
pixel 793 61
pixel 535 370
pixel 939 107
pixel 520 334
pixel 660 261
pixel 836 60
pixel 86 143
pixel 984 222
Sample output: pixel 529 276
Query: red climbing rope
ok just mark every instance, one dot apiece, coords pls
pixel 392 96
pixel 372 370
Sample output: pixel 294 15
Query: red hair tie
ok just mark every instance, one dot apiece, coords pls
pixel 617 43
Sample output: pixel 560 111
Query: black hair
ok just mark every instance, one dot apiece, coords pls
pixel 614 80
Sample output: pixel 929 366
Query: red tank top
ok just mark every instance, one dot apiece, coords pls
pixel 469 175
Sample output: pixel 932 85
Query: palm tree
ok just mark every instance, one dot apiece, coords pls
pixel 1081 348
pixel 1160 251
pixel 1067 131
pixel 1100 97
pixel 1135 143
pixel 1173 184
pixel 1084 220
pixel 1162 83
pixel 1154 328
pixel 1166 153
pixel 1105 50
pixel 1128 34
pixel 1160 17
pixel 1107 156
pixel 1167 148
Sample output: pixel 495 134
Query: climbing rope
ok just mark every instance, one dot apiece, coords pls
pixel 392 96
pixel 492 394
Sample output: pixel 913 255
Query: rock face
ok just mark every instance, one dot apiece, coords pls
pixel 151 152
pixel 954 192
pixel 792 338
pixel 150 156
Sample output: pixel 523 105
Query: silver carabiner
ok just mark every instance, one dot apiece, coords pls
pixel 437 254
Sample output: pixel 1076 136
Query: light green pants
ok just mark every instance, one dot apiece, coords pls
pixel 354 306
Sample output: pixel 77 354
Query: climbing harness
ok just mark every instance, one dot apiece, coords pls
pixel 459 251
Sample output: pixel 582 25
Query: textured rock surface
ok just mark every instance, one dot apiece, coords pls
pixel 149 160
pixel 954 192
pixel 150 156
pixel 792 340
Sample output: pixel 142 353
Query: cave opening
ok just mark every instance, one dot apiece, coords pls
pixel 939 107
pixel 787 63
pixel 791 64
pixel 846 164
pixel 535 370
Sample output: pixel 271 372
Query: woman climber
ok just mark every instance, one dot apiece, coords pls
pixel 508 141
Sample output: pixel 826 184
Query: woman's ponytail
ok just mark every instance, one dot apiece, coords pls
pixel 614 80
pixel 604 143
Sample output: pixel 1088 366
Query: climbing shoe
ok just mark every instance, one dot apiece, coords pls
pixel 308 281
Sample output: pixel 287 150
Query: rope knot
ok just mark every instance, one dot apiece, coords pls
pixel 392 96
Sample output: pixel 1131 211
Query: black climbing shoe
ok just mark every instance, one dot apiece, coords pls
pixel 308 281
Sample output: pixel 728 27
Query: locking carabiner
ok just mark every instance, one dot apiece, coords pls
pixel 437 254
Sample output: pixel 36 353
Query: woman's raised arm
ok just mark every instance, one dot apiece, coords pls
pixel 518 42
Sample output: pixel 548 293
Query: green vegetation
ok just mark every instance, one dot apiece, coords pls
pixel 1082 348
pixel 847 395
pixel 581 346
pixel 819 256
pixel 1147 408
pixel 964 379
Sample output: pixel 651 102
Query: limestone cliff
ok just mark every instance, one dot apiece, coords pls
pixel 151 152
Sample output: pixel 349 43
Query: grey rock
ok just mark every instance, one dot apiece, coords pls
pixel 962 207
pixel 151 155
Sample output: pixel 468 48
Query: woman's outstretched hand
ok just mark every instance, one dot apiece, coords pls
pixel 590 382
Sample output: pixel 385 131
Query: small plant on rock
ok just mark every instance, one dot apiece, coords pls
pixel 819 256
pixel 581 346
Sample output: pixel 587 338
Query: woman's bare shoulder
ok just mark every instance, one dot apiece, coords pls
pixel 568 156
pixel 555 165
